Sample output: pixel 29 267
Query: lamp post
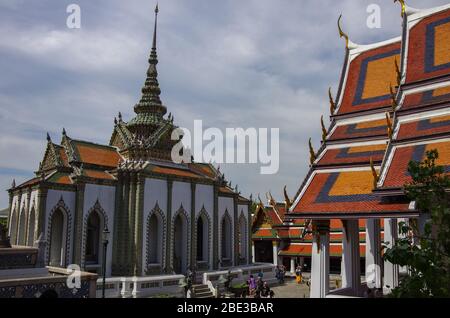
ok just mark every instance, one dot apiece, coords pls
pixel 105 247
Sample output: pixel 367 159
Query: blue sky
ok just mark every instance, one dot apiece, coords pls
pixel 231 63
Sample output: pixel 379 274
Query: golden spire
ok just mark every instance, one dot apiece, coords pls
pixel 393 98
pixel 342 33
pixel 324 130
pixel 312 154
pixel 397 71
pixel 375 175
pixel 287 201
pixel 402 2
pixel 332 103
pixel 389 125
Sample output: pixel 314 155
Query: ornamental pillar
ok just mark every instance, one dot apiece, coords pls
pixel 350 266
pixel 78 223
pixel 390 270
pixel 373 253
pixel 320 259
pixel 168 265
pixel 193 230
pixel 253 252
pixel 216 228
pixel 275 252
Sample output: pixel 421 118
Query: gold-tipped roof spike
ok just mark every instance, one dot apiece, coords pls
pixel 312 154
pixel 332 103
pixel 324 130
pixel 397 71
pixel 403 4
pixel 389 125
pixel 375 175
pixel 393 97
pixel 287 201
pixel 348 43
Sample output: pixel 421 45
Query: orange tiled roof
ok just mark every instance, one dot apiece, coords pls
pixel 60 178
pixel 353 155
pixel 397 174
pixel 343 192
pixel 424 127
pixel 176 172
pixel 429 48
pixel 369 76
pixel 361 129
pixel 97 174
pixel 426 98
pixel 305 249
pixel 97 154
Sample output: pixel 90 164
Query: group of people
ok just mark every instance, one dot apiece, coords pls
pixel 258 288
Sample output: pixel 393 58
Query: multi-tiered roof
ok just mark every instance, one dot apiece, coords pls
pixel 391 106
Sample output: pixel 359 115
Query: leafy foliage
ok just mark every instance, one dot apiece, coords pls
pixel 425 252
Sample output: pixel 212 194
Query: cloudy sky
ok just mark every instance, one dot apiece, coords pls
pixel 230 63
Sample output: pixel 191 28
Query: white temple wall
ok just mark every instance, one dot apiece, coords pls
pixel 66 200
pixel 105 196
pixel 226 204
pixel 181 195
pixel 155 192
pixel 204 197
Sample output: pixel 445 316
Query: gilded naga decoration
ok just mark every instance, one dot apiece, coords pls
pixel 324 130
pixel 389 126
pixel 312 154
pixel 287 201
pixel 375 175
pixel 332 103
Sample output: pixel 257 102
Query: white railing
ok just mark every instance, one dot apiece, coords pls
pixel 138 287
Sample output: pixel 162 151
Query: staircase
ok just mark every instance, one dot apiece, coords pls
pixel 202 291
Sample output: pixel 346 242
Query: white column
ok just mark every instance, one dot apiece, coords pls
pixel 253 252
pixel 320 261
pixel 350 267
pixel 292 265
pixel 373 253
pixel 275 252
pixel 390 270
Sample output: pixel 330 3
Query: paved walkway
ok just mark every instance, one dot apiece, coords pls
pixel 290 289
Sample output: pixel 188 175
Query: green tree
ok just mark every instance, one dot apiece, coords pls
pixel 425 252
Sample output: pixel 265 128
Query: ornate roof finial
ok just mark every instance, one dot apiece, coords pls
pixel 312 154
pixel 13 184
pixel 393 98
pixel 48 137
pixel 324 130
pixel 341 33
pixel 120 117
pixel 64 131
pixel 150 110
pixel 389 125
pixel 348 43
pixel 287 201
pixel 115 120
pixel 154 30
pixel 375 175
pixel 402 2
pixel 332 103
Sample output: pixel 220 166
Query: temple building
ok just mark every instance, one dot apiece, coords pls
pixel 163 217
pixel 280 240
pixel 391 106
